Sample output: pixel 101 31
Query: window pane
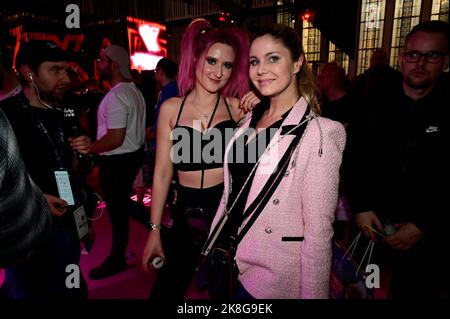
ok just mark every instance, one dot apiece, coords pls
pixel 407 15
pixel 311 42
pixel 439 10
pixel 337 55
pixel 285 18
pixel 371 31
pixel 284 13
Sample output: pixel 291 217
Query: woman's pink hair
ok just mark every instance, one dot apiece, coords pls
pixel 197 40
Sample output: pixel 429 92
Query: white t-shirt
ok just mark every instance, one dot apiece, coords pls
pixel 123 106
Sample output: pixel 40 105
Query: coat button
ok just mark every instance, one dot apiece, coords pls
pixel 286 174
pixel 276 201
pixel 268 231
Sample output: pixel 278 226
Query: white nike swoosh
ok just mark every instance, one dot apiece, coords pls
pixel 432 129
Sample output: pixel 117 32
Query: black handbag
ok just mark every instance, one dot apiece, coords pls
pixel 218 271
pixel 218 274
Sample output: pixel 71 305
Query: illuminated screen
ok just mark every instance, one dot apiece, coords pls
pixel 146 43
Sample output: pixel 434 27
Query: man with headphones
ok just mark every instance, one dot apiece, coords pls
pixel 37 117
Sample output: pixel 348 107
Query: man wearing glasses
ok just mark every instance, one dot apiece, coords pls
pixel 400 187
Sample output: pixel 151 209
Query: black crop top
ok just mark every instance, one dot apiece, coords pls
pixel 194 150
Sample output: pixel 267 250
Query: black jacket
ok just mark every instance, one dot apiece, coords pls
pixel 400 158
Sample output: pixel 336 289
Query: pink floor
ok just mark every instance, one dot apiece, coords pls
pixel 130 284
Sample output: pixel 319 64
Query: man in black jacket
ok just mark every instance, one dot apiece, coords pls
pixel 400 186
pixel 40 126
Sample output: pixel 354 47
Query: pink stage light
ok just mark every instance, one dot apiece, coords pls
pixel 147 198
pixel 144 61
pixel 146 43
pixel 2 277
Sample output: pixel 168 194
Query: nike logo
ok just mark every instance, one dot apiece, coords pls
pixel 432 129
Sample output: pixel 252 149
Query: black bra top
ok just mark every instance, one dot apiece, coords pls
pixel 186 137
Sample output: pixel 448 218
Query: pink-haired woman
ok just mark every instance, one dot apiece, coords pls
pixel 193 131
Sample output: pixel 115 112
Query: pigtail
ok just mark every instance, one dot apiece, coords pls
pixel 190 45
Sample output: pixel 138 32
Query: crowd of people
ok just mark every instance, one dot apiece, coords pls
pixel 269 163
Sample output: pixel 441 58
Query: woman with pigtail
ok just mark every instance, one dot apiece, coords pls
pixel 213 75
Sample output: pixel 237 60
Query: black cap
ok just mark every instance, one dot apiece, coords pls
pixel 35 52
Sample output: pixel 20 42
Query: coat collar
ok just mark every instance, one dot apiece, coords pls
pixel 273 154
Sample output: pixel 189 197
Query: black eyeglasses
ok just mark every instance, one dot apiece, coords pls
pixel 430 56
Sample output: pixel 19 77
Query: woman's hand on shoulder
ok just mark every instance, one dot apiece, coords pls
pixel 249 101
pixel 240 107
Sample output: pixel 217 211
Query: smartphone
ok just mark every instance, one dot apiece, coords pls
pixel 64 188
pixel 389 228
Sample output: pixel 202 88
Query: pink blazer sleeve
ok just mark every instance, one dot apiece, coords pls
pixel 319 205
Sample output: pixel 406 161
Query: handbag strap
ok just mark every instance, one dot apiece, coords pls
pixel 257 206
pixel 261 200
pixel 353 247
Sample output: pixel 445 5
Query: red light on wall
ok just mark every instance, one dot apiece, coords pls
pixel 223 16
pixel 76 39
pixel 307 16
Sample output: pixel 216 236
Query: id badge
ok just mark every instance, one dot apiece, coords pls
pixel 81 222
pixel 64 188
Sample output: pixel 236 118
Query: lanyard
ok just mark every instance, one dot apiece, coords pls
pixel 56 151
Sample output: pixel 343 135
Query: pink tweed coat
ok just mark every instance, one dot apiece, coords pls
pixel 303 205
